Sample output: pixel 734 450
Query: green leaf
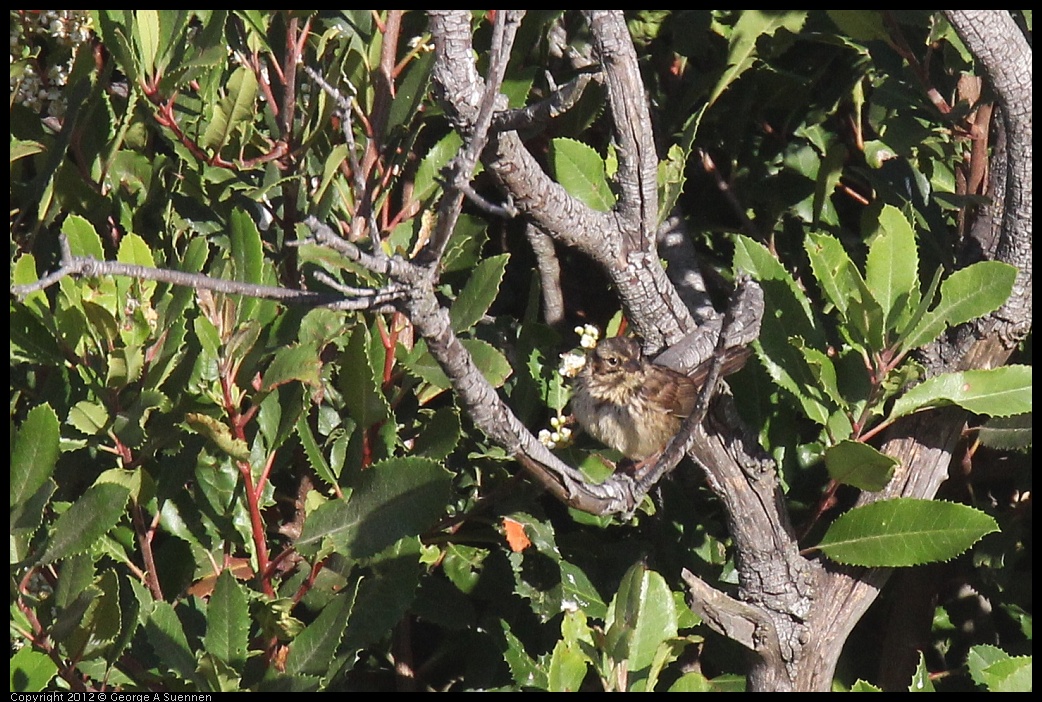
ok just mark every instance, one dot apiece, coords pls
pixel 296 362
pixel 146 36
pixel 921 680
pixel 360 381
pixel 787 317
pixel 440 434
pixel 34 453
pixel 892 267
pixel 219 433
pixel 1007 433
pixel 641 617
pixel 998 671
pixel 247 252
pixel 860 465
pixel 966 294
pixel 235 108
pixel 384 597
pixel 478 294
pixel 526 672
pixel 580 170
pixel 83 238
pixel 316 459
pixel 436 159
pixel 671 180
pixel 411 90
pixel 31 670
pixel 489 360
pixel 228 621
pixel 905 532
pixel 165 633
pixel 997 392
pixel 394 498
pixel 312 650
pixel 862 25
pixel 838 277
pixel 747 30
pixel 87 520
pixel 568 666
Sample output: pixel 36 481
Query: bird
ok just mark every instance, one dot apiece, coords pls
pixel 633 405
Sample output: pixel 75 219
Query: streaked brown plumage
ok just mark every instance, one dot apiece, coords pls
pixel 633 405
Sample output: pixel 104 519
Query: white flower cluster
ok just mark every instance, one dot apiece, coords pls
pixel 573 361
pixel 34 84
pixel 559 436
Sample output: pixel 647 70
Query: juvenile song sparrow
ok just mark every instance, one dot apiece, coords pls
pixel 633 405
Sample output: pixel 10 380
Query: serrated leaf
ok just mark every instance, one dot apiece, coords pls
pixel 836 274
pixel 860 465
pixel 34 453
pixel 671 179
pixel 436 159
pixel 87 520
pixel 88 417
pixel 580 170
pixel 921 681
pixel 385 597
pixel 440 434
pixel 134 250
pixel 165 633
pixel 998 671
pixel 905 532
pixel 747 30
pixel 394 498
pixel 997 392
pixel 479 293
pixel 892 267
pixel 966 294
pixel 1009 433
pixel 316 459
pixel 227 622
pixel 787 318
pixel 83 238
pixel 312 650
pixel 360 383
pixel 296 362
pixel 489 360
pixel 219 433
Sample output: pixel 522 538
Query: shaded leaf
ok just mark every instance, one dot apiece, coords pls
pixel 860 465
pixel 394 498
pixel 227 621
pixel 312 650
pixel 166 635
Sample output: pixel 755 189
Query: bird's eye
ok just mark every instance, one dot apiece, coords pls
pixel 613 361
